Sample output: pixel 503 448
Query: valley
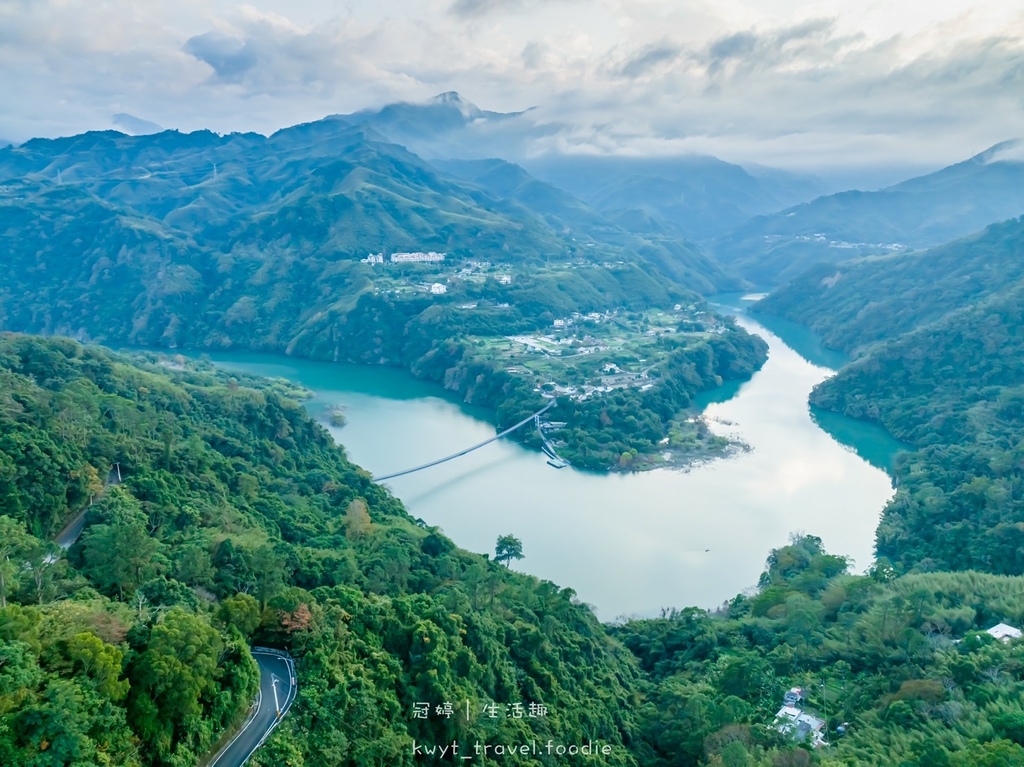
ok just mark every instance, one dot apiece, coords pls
pixel 346 298
pixel 782 470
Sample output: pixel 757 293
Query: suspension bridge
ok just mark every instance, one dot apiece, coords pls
pixel 534 417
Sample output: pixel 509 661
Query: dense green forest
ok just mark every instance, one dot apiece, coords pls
pixel 941 366
pixel 897 663
pixel 246 242
pixel 238 521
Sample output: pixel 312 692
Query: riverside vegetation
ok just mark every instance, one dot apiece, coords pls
pixel 239 521
pixel 939 349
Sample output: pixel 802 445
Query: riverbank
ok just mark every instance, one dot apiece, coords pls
pixel 627 542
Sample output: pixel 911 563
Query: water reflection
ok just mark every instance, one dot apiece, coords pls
pixel 628 544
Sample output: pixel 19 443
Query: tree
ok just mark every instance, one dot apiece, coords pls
pixel 172 678
pixel 100 662
pixel 241 611
pixel 508 548
pixel 122 555
pixel 357 519
pixel 15 543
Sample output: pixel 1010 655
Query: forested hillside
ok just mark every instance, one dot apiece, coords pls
pixel 941 366
pixel 246 242
pixel 325 188
pixel 918 213
pixel 856 303
pixel 239 521
pixel 897 667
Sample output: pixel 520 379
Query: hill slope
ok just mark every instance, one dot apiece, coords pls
pixel 941 365
pixel 251 242
pixel 694 196
pixel 238 520
pixel 918 213
pixel 855 303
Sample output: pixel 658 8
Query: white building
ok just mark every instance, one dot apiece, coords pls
pixel 794 696
pixel 800 725
pixel 373 258
pixel 1004 633
pixel 437 289
pixel 418 256
pixel 505 279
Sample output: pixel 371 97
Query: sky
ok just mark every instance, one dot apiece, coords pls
pixel 800 85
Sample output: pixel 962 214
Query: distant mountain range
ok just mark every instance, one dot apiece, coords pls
pixel 333 188
pixel 918 213
pixel 254 240
pixel 351 184
pixel 696 196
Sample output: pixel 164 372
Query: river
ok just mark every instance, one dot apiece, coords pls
pixel 628 544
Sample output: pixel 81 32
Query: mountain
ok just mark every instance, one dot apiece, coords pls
pixel 252 242
pixel 643 234
pixel 135 126
pixel 695 197
pixel 353 192
pixel 856 303
pixel 914 214
pixel 940 364
pixel 448 126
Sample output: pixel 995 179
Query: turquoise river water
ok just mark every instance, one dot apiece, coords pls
pixel 629 544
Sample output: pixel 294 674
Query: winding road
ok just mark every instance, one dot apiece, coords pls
pixel 277 675
pixel 276 695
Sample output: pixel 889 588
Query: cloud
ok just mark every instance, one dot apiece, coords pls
pixel 1008 151
pixel 476 8
pixel 640 76
pixel 481 7
pixel 649 57
pixel 230 57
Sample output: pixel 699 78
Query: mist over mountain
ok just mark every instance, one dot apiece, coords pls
pixel 135 126
pixel 694 196
pixel 917 213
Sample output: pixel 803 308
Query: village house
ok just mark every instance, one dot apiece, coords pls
pixel 1004 633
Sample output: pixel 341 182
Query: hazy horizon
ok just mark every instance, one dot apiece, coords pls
pixel 810 87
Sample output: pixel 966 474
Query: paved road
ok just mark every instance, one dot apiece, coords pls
pixel 277 693
pixel 277 676
pixel 73 530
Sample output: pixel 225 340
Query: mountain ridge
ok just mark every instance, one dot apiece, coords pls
pixel 916 213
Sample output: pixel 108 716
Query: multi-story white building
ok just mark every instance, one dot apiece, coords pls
pixel 373 258
pixel 418 256
pixel 438 289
